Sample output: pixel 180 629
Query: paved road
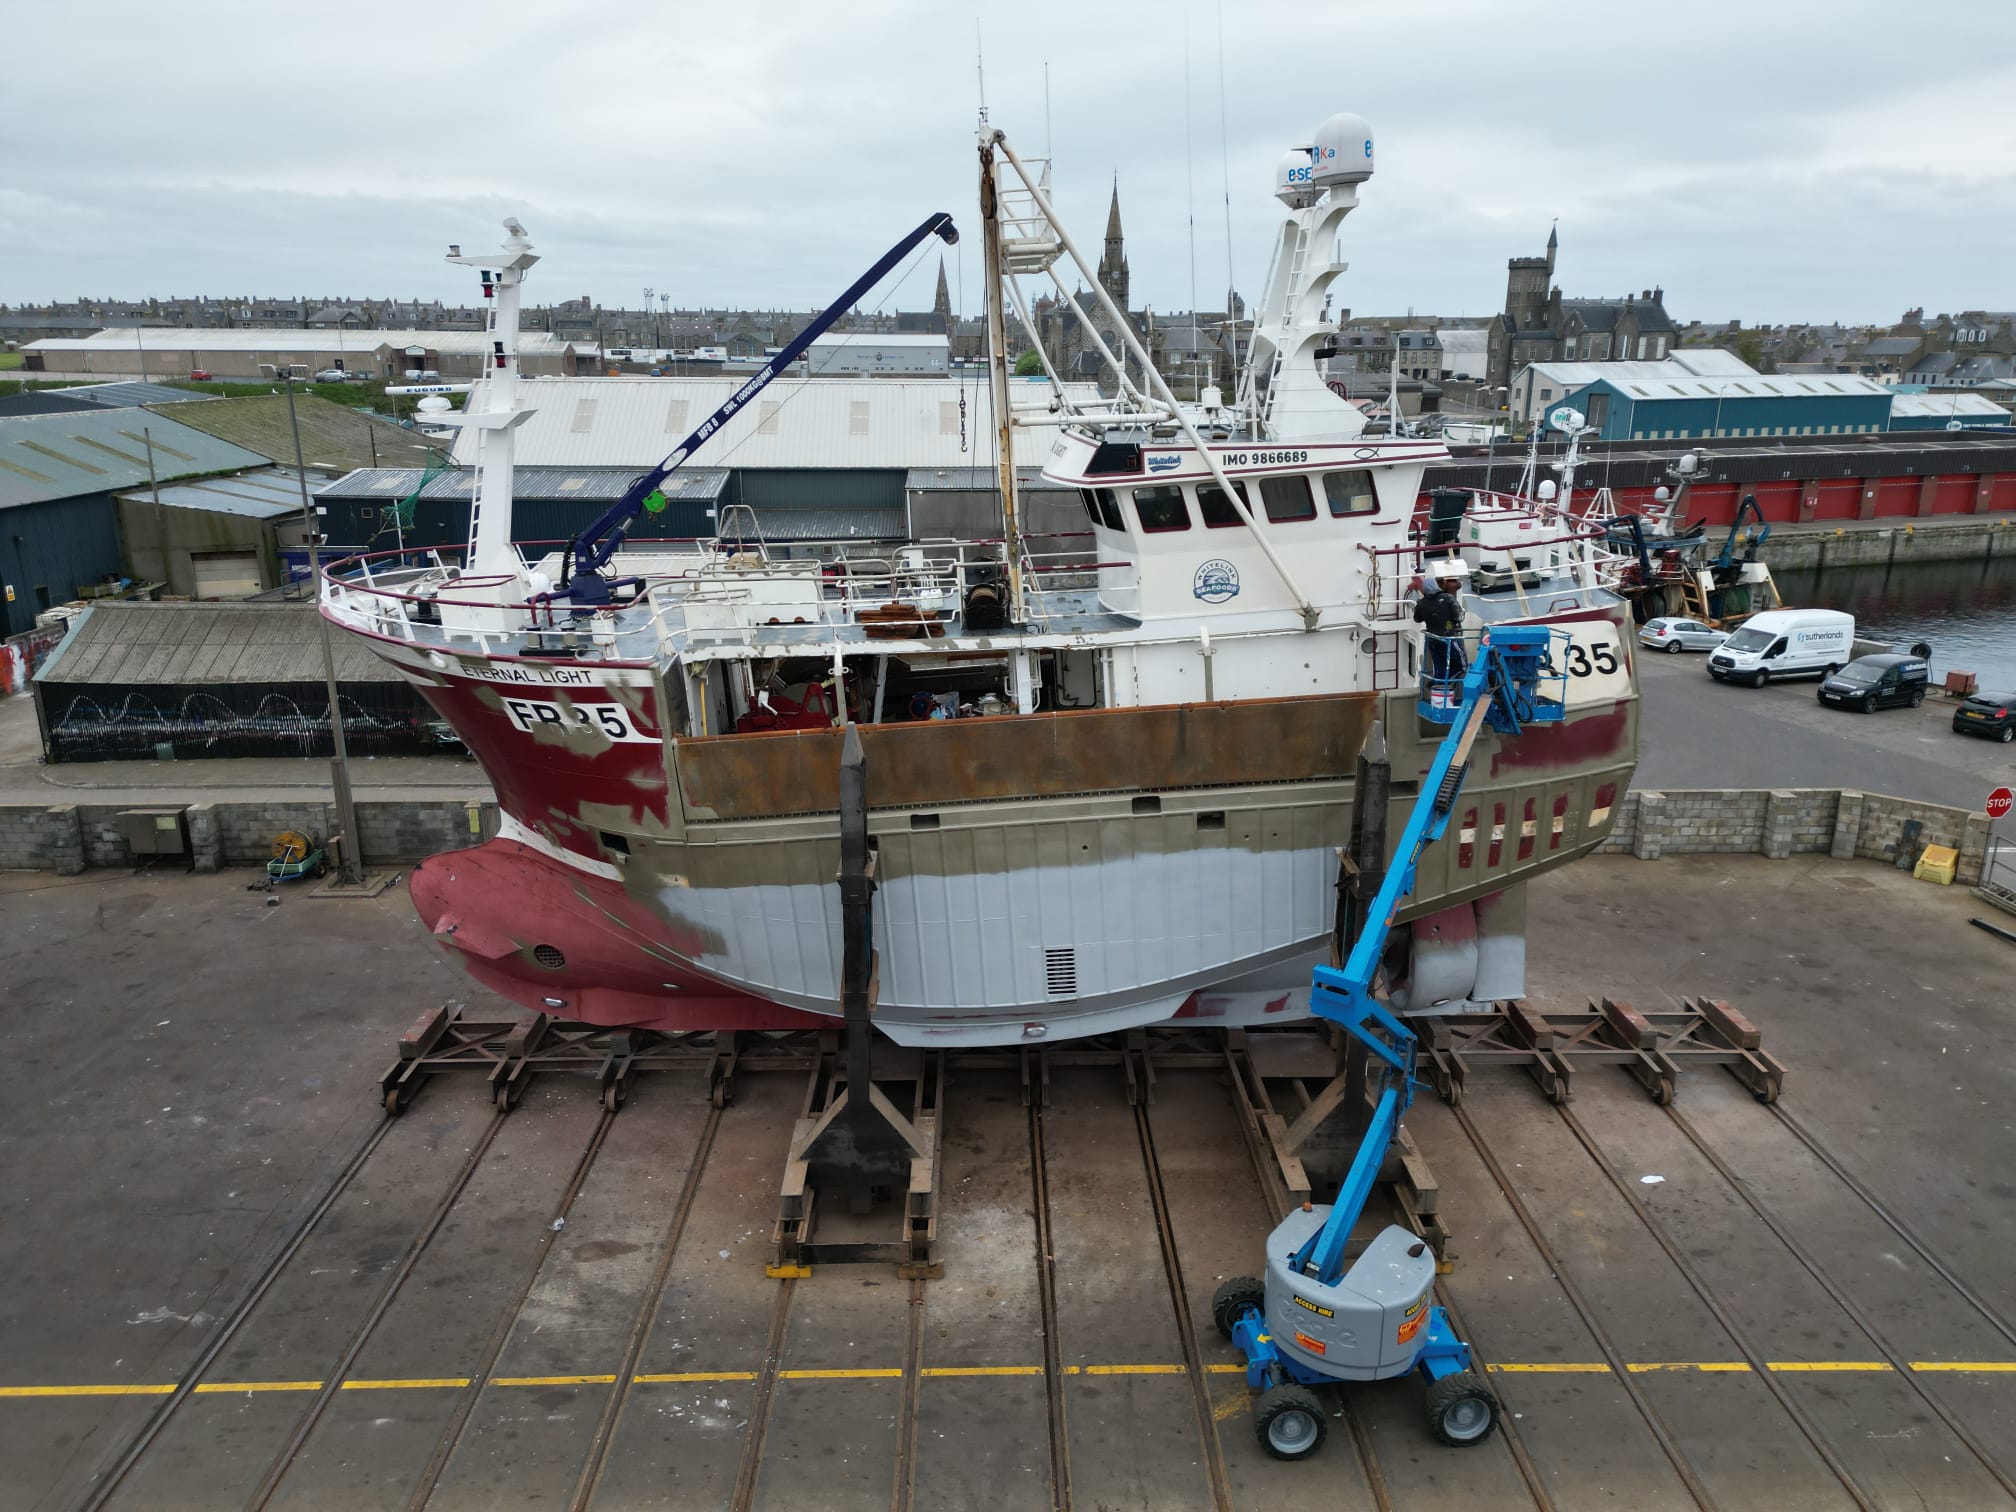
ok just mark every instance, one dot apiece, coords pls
pixel 1698 733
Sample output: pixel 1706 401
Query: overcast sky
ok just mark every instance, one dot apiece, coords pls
pixel 1774 159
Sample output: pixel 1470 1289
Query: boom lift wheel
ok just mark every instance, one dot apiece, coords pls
pixel 1461 1410
pixel 1290 1422
pixel 1230 1301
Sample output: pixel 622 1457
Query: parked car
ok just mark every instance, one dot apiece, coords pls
pixel 1989 714
pixel 1870 683
pixel 199 375
pixel 1785 643
pixel 1669 633
pixel 331 375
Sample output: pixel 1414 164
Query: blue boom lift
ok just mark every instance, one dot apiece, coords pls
pixel 1315 1319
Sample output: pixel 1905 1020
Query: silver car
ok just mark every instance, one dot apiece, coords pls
pixel 1670 633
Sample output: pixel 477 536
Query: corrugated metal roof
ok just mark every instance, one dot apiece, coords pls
pixel 881 338
pixel 1947 406
pixel 969 479
pixel 61 456
pixel 601 485
pixel 829 525
pixel 182 644
pixel 132 394
pixel 269 494
pixel 795 422
pixel 1680 363
pixel 235 339
pixel 334 437
pixel 1754 386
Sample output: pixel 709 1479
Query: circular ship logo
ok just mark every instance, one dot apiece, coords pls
pixel 1216 581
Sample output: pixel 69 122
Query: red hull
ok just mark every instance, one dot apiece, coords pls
pixel 509 912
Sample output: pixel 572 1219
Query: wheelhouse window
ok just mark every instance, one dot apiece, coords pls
pixel 1287 499
pixel 1161 509
pixel 1218 510
pixel 1350 493
pixel 1102 507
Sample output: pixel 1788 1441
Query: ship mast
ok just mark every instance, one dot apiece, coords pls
pixel 997 374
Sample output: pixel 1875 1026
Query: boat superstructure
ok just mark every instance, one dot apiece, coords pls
pixel 1107 781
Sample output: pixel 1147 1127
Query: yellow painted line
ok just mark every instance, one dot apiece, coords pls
pixel 412 1385
pixel 1497 1367
pixel 573 1380
pixel 694 1375
pixel 838 1375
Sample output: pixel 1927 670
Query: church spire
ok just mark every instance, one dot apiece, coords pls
pixel 1113 265
pixel 942 305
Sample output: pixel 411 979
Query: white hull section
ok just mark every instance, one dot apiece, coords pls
pixel 1059 947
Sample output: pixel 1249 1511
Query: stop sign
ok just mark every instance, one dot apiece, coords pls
pixel 1999 801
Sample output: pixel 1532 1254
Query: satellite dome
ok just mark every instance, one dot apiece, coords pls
pixel 1291 180
pixel 1342 153
pixel 434 404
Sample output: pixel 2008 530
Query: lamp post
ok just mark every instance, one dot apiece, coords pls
pixel 348 873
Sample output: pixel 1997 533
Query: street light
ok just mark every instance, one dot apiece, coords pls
pixel 348 872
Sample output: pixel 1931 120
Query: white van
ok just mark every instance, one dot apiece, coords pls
pixel 1785 643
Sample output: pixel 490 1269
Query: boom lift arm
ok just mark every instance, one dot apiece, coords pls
pixel 1500 688
pixel 592 550
pixel 1313 1319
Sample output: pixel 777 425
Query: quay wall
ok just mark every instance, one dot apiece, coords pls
pixel 1646 823
pixel 1889 545
pixel 1777 823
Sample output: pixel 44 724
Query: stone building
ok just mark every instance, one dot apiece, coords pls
pixel 1538 325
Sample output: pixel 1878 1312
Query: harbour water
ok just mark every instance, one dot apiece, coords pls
pixel 1965 610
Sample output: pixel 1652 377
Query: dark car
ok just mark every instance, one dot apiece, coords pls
pixel 1870 683
pixel 1989 714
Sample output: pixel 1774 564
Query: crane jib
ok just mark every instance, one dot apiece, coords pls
pixel 598 543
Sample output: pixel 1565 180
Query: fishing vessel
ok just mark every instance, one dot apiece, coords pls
pixel 1108 780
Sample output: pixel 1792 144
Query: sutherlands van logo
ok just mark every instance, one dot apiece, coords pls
pixel 1216 581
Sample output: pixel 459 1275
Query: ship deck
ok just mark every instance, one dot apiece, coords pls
pixel 567 1308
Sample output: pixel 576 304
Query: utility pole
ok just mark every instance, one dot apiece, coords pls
pixel 348 872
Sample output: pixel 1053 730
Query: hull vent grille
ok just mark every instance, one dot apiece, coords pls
pixel 1060 969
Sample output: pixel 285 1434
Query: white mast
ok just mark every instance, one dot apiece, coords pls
pixel 494 413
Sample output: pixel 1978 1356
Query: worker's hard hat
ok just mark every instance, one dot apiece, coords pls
pixel 1452 567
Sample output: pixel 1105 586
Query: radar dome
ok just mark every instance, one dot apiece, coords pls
pixel 1342 153
pixel 434 404
pixel 1291 180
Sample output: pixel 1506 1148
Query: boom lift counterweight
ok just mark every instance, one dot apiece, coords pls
pixel 1313 1319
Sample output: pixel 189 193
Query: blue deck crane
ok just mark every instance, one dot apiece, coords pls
pixel 1314 1319
pixel 582 583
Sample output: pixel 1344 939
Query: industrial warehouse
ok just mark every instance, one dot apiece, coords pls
pixel 960 864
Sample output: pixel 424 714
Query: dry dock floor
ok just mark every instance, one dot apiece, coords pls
pixel 1798 1312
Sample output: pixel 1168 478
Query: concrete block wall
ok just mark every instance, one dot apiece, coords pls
pixel 1790 822
pixel 68 838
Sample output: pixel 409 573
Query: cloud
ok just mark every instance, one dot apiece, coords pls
pixel 1793 160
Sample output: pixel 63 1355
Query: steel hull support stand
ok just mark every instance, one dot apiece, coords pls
pixel 851 1139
